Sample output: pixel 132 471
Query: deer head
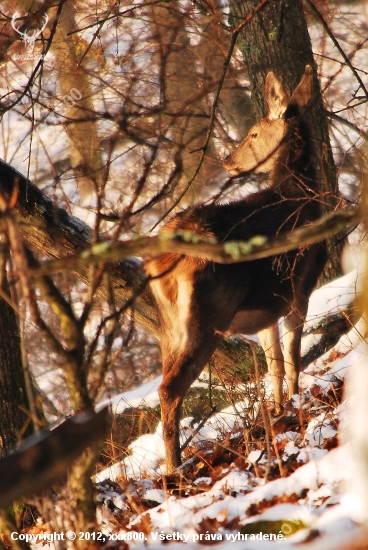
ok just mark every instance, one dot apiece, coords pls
pixel 29 39
pixel 258 151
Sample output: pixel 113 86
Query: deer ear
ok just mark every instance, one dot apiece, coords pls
pixel 276 97
pixel 303 93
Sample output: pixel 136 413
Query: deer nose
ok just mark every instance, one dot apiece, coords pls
pixel 227 163
pixel 231 166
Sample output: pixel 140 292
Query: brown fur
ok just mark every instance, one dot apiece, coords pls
pixel 199 301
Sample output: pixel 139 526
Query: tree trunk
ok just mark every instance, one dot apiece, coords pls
pixel 85 153
pixel 277 39
pixel 82 495
pixel 15 423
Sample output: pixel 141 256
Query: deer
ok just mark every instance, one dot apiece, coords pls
pixel 199 301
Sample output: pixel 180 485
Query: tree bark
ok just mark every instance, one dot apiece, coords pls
pixel 277 39
pixel 44 459
pixel 15 423
pixel 85 154
pixel 15 418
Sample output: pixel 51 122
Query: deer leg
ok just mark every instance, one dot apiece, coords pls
pixel 171 402
pixel 178 376
pixel 270 342
pixel 292 335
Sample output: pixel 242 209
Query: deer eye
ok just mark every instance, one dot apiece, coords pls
pixel 254 135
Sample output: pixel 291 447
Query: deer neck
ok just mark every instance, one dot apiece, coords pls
pixel 294 164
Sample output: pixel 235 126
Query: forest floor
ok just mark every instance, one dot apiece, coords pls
pixel 231 488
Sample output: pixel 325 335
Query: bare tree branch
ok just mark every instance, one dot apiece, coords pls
pixel 227 253
pixel 347 123
pixel 336 43
pixel 44 459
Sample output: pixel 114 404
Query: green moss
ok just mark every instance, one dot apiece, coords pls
pixel 197 402
pixel 272 35
pixel 242 368
pixel 17 508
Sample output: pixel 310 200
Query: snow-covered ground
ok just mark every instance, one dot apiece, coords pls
pixel 147 452
pixel 312 503
pixel 305 492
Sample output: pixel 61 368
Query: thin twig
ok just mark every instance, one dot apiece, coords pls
pixel 266 426
pixel 347 123
pixel 196 430
pixel 336 43
pixel 95 35
pixel 114 16
pixel 234 37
